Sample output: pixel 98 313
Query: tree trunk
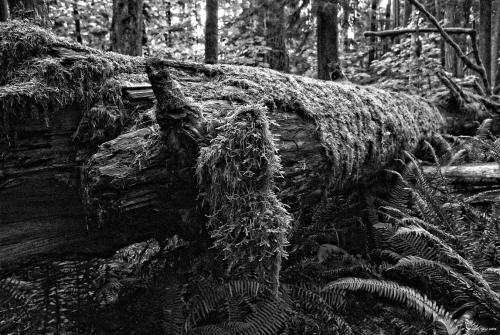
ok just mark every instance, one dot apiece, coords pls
pixel 4 11
pixel 76 16
pixel 211 32
pixel 407 14
pixel 126 27
pixel 388 24
pixel 328 40
pixel 395 14
pixel 450 20
pixel 346 24
pixel 373 27
pixel 61 194
pixel 485 10
pixel 277 56
pixel 495 42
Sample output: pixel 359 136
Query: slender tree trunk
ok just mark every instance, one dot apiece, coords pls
pixel 407 14
pixel 126 27
pixel 395 14
pixel 450 20
pixel 373 27
pixel 211 32
pixel 277 57
pixel 327 40
pixel 485 10
pixel 387 26
pixel 4 10
pixel 76 16
pixel 495 48
pixel 346 25
pixel 396 17
pixel 442 44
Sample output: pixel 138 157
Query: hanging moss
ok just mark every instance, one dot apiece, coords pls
pixel 237 172
pixel 40 74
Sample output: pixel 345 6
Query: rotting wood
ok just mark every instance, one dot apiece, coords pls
pixel 329 135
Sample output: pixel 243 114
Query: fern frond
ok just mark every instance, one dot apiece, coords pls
pixel 401 294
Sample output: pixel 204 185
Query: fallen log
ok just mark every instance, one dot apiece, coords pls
pixel 471 176
pixel 137 175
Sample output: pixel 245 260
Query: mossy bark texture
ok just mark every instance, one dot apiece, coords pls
pixel 84 170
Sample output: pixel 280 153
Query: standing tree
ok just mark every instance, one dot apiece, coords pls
pixel 4 10
pixel 327 40
pixel 407 14
pixel 211 32
pixel 485 10
pixel 373 27
pixel 495 69
pixel 76 16
pixel 277 56
pixel 126 27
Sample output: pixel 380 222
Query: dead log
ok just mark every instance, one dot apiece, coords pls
pixel 141 183
pixel 471 176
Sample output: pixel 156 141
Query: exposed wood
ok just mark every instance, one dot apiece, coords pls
pixel 479 176
pixel 397 32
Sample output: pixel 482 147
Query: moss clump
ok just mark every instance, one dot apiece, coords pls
pixel 237 171
pixel 40 74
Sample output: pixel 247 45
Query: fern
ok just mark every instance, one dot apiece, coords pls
pixel 401 294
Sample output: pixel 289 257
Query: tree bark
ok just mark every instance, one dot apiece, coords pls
pixel 328 40
pixel 495 55
pixel 395 14
pixel 485 11
pixel 4 11
pixel 373 27
pixel 211 32
pixel 450 20
pixel 76 17
pixel 346 24
pixel 407 14
pixel 277 56
pixel 126 27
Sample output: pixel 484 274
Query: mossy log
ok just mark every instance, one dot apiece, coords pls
pixel 85 171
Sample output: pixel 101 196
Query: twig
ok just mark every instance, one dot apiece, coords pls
pixel 479 68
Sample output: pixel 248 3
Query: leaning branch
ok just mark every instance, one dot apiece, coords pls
pixel 397 32
pixel 479 67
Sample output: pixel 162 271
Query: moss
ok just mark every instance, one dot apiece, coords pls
pixel 41 74
pixel 237 172
pixel 362 129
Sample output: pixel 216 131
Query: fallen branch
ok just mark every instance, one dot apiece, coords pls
pixel 397 32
